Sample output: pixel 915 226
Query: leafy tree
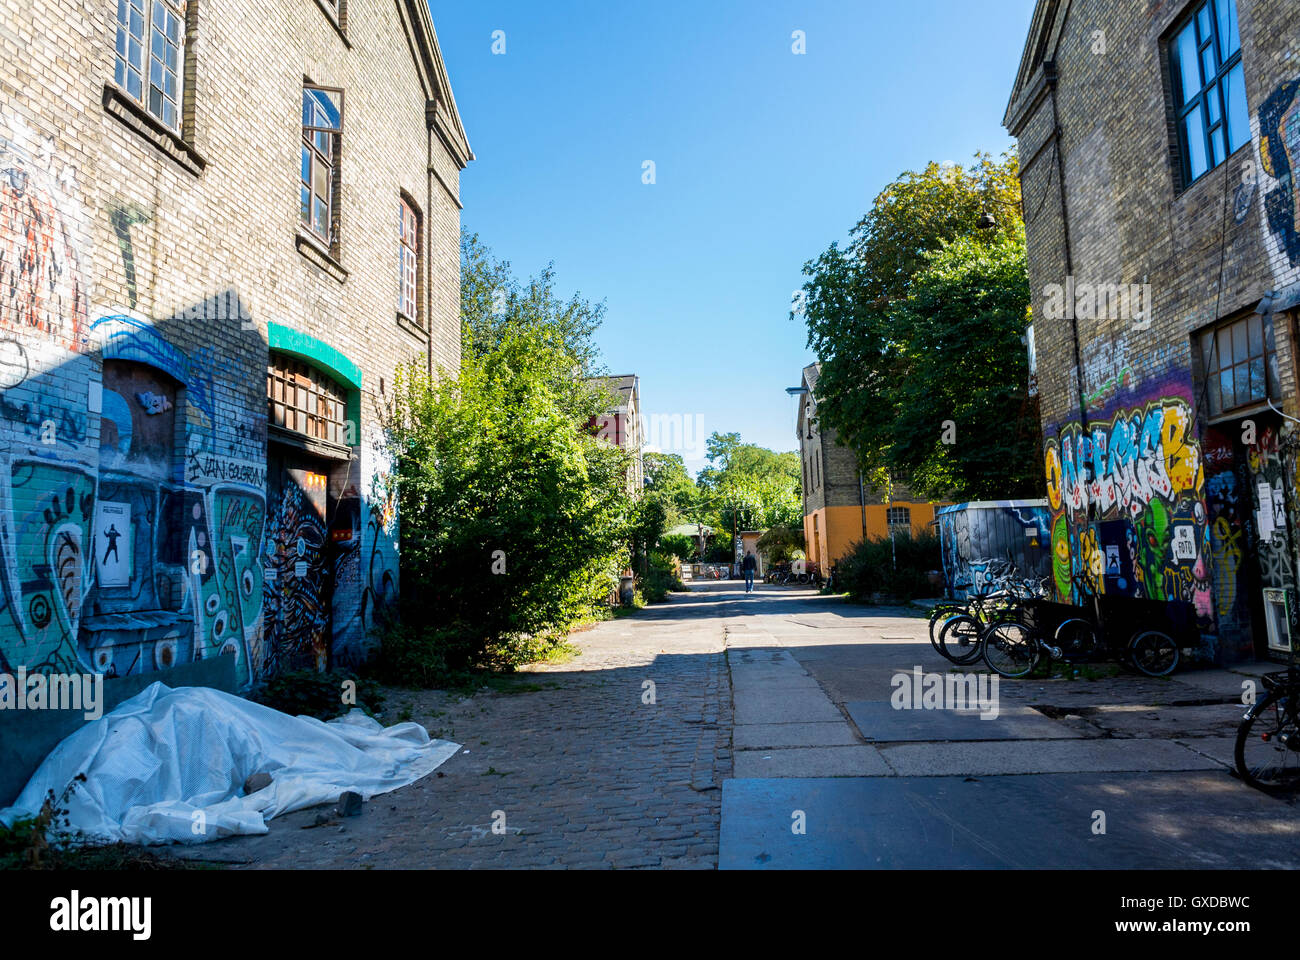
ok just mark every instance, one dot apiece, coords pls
pixel 864 316
pixel 495 304
pixel 515 519
pixel 666 475
pixel 748 487
pixel 966 365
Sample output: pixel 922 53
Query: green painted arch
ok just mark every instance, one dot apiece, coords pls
pixel 320 354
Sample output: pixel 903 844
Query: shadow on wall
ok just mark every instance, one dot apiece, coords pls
pixel 139 529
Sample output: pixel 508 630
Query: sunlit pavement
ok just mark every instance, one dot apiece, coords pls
pixel 1124 772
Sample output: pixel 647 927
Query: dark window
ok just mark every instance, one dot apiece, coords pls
pixel 304 400
pixel 899 517
pixel 1239 364
pixel 409 261
pixel 1209 87
pixel 322 131
pixel 148 51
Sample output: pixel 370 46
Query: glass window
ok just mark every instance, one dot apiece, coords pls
pixel 1239 364
pixel 151 45
pixel 409 258
pixel 322 128
pixel 1205 57
pixel 304 400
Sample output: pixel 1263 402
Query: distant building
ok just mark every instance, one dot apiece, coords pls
pixel 622 425
pixel 839 508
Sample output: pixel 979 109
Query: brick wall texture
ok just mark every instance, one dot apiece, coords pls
pixel 1155 494
pixel 148 515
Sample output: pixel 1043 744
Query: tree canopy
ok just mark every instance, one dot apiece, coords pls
pixel 919 323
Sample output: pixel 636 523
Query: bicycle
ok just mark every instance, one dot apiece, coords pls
pixel 1266 754
pixel 961 623
pixel 1013 647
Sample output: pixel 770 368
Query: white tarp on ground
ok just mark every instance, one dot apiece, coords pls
pixel 166 755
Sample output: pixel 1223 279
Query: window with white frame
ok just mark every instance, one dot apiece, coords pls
pixel 322 131
pixel 900 518
pixel 408 261
pixel 148 61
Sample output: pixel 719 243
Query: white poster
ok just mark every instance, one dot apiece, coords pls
pixel 113 543
pixel 1184 543
pixel 1265 515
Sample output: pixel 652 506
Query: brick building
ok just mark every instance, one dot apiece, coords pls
pixel 839 508
pixel 224 224
pixel 624 425
pixel 1158 142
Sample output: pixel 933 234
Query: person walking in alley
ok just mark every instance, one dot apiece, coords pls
pixel 749 566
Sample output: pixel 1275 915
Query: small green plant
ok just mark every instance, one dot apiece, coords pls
pixel 320 695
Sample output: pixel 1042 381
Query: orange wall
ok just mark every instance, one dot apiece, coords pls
pixel 831 532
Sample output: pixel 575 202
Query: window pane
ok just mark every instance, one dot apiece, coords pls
pixel 1255 335
pixel 319 217
pixel 306 165
pixel 322 140
pixel 1216 145
pixel 1203 19
pixel 135 54
pixel 306 108
pixel 1229 38
pixel 1213 103
pixel 1225 349
pixel 1234 93
pixel 321 182
pixel 169 114
pixel 1225 386
pixel 1258 385
pixel 1208 67
pixel 1188 63
pixel 327 114
pixel 137 24
pixel 1216 402
pixel 1240 349
pixel 306 205
pixel 133 84
pixel 1241 384
pixel 155 100
pixel 1194 137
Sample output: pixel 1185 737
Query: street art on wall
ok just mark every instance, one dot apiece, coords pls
pixel 1127 500
pixel 982 544
pixel 1279 152
pixel 43 287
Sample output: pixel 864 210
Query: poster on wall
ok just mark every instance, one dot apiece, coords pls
pixel 113 543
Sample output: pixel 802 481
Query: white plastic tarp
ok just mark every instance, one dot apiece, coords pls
pixel 169 766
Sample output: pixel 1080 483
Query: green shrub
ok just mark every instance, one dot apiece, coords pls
pixel 319 695
pixel 870 568
pixel 678 545
pixel 664 576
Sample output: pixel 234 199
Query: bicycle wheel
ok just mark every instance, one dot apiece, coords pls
pixel 959 640
pixel 938 618
pixel 1010 648
pixel 1154 653
pixel 1266 750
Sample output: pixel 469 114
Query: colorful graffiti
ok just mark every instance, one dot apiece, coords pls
pixel 1279 152
pixel 42 285
pixel 983 544
pixel 1127 502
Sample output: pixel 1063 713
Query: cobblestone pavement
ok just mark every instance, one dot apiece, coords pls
pixel 585 773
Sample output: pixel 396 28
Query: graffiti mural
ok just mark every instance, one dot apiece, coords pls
pixel 1127 501
pixel 981 544
pixel 1279 152
pixel 42 285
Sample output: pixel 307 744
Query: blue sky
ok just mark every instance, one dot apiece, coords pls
pixel 762 158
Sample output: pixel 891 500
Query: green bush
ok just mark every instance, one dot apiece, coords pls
pixel 516 519
pixel 870 568
pixel 664 577
pixel 316 694
pixel 678 545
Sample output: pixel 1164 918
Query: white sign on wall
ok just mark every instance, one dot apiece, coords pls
pixel 113 543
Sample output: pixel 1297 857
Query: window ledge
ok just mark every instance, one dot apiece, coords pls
pixel 320 448
pixel 413 328
pixel 119 104
pixel 333 17
pixel 316 251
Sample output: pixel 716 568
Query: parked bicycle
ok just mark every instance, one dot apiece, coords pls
pixel 1267 751
pixel 957 625
pixel 1042 632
